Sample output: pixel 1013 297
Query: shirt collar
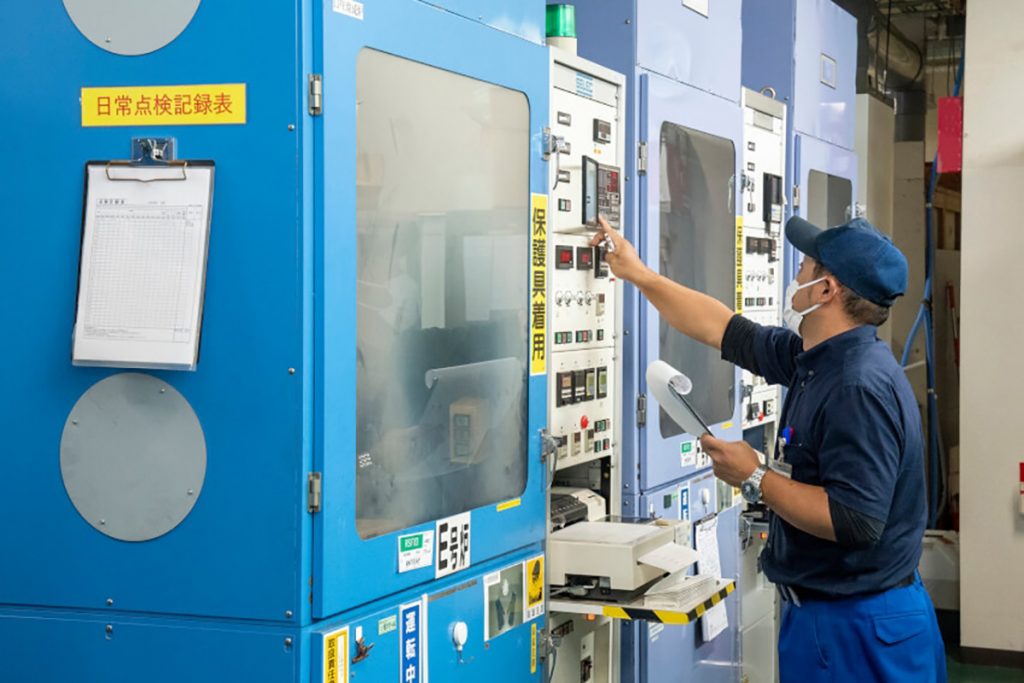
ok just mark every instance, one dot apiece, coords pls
pixel 832 349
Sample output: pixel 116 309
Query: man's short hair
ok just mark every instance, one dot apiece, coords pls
pixel 856 307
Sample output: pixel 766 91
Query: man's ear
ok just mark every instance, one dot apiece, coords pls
pixel 831 290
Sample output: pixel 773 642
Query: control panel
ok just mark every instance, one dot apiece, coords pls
pixel 764 161
pixel 587 127
pixel 584 303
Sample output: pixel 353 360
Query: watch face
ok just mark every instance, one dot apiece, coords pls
pixel 750 492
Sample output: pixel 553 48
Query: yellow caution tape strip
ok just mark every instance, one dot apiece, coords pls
pixel 668 616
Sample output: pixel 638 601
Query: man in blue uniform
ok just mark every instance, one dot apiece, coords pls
pixel 846 487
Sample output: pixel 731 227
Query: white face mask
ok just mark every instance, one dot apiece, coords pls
pixel 791 317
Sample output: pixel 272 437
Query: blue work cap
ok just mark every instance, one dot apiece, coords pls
pixel 859 256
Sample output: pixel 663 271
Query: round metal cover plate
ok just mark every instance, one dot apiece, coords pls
pixel 133 457
pixel 131 27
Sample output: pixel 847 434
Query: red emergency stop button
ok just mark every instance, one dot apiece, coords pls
pixel 584 422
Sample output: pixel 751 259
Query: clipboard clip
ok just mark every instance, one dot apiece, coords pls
pixel 150 153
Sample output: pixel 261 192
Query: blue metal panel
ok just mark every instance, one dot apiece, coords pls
pixel 339 582
pixel 668 101
pixel 684 45
pixel 50 645
pixel 826 40
pixel 506 657
pixel 769 34
pixel 810 154
pixel 681 648
pixel 786 44
pixel 523 18
pixel 238 553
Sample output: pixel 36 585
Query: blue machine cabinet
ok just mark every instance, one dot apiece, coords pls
pixel 659 649
pixel 248 585
pixel 806 51
pixel 684 148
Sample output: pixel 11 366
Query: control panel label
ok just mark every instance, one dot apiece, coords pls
pixel 350 8
pixel 415 551
pixel 539 284
pixel 534 588
pixel 584 85
pixel 155 105
pixel 336 656
pixel 684 503
pixel 687 454
pixel 453 544
pixel 410 648
pixel 387 625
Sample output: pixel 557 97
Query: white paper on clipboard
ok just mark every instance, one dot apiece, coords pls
pixel 709 562
pixel 142 272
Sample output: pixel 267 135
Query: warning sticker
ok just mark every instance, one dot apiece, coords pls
pixel 453 544
pixel 534 588
pixel 539 284
pixel 415 551
pixel 739 264
pixel 533 648
pixel 503 600
pixel 336 656
pixel 167 105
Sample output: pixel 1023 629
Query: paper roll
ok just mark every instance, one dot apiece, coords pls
pixel 660 377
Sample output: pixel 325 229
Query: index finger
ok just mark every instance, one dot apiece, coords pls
pixel 603 230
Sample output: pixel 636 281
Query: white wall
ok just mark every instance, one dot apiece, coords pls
pixel 991 434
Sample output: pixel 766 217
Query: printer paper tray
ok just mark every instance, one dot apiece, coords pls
pixel 636 610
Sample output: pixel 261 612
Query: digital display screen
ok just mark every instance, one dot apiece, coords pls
pixel 563 258
pixel 590 186
pixel 584 258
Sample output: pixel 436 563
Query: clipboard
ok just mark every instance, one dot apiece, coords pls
pixel 670 388
pixel 142 267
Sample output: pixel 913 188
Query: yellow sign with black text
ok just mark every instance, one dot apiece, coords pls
pixel 538 284
pixel 164 105
pixel 336 656
pixel 739 264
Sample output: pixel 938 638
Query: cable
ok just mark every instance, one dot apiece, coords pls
pixel 888 37
pixel 937 485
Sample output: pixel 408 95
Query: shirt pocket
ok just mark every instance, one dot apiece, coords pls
pixel 804 463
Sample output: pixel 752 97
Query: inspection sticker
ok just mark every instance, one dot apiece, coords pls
pixel 168 105
pixel 415 551
pixel 687 454
pixel 684 503
pixel 539 284
pixel 336 656
pixel 350 8
pixel 453 544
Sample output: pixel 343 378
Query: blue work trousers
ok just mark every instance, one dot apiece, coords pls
pixel 887 637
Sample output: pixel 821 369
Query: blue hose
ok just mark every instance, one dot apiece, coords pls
pixel 936 464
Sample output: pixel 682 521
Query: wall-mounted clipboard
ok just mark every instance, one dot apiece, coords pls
pixel 142 272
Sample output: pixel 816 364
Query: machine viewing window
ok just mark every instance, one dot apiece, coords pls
pixel 442 206
pixel 698 242
pixel 829 199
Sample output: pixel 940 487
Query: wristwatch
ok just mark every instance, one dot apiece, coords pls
pixel 751 488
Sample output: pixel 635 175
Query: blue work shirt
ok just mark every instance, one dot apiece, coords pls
pixel 856 431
